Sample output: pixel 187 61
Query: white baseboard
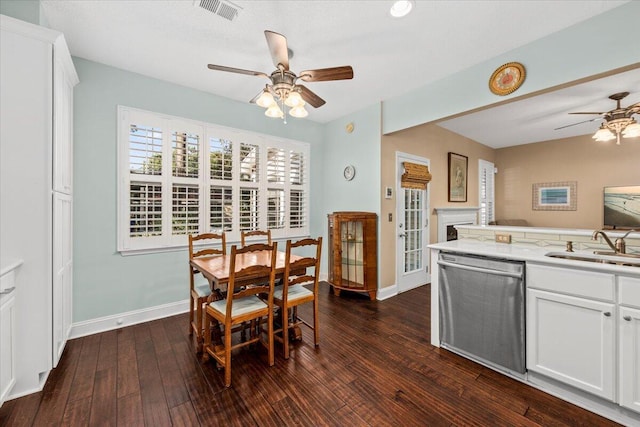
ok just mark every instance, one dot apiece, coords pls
pixel 116 321
pixel 387 292
pixel 42 379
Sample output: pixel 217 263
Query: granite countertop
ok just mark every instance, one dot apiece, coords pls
pixel 533 254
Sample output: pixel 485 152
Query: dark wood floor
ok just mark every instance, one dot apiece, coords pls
pixel 374 367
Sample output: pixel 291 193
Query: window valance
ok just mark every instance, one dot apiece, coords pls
pixel 415 176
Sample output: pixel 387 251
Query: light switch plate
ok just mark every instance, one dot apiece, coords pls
pixel 503 238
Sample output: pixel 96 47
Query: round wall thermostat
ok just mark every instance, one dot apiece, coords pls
pixel 349 172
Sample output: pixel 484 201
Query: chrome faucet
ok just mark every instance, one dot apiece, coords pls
pixel 619 247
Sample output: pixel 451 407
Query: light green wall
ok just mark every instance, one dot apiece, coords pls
pixel 106 283
pixel 25 10
pixel 606 42
pixel 360 148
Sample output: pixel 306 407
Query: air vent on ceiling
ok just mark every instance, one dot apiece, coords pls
pixel 225 9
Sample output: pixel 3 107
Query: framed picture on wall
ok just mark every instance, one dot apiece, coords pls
pixel 555 196
pixel 457 177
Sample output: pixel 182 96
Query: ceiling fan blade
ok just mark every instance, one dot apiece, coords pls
pixel 326 74
pixel 255 98
pixel 310 97
pixel 573 124
pixel 278 47
pixel 587 112
pixel 236 70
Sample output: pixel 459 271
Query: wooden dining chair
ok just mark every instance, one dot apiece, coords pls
pixel 293 293
pixel 213 244
pixel 254 236
pixel 242 304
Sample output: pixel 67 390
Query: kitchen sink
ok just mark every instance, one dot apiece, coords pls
pixel 618 259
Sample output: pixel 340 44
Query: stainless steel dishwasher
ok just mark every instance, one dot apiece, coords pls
pixel 482 309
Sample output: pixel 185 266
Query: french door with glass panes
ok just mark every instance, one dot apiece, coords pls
pixel 412 226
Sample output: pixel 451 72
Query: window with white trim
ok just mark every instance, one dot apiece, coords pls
pixel 486 179
pixel 177 176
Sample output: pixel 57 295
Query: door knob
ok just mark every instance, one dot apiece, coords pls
pixel 402 235
pixel 627 318
pixel 607 313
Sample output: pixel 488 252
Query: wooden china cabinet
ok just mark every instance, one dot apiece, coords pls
pixel 353 252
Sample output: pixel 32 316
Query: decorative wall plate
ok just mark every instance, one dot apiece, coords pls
pixel 507 78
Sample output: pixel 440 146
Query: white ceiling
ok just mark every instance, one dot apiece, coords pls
pixel 175 40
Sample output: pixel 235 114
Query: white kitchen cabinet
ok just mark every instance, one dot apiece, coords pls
pixel 630 358
pixel 37 77
pixel 64 79
pixel 572 339
pixel 62 272
pixel 7 330
pixel 629 341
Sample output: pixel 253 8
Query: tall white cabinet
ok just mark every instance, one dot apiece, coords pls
pixel 36 194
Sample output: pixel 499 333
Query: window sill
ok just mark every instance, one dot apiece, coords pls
pixel 149 251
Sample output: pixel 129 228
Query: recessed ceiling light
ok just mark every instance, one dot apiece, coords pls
pixel 401 8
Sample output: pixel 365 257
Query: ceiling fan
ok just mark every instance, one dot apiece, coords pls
pixel 615 122
pixel 284 88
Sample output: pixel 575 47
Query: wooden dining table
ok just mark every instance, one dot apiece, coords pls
pixel 216 268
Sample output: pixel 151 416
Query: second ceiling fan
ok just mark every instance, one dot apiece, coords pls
pixel 284 89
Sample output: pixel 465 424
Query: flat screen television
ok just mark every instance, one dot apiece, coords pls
pixel 622 207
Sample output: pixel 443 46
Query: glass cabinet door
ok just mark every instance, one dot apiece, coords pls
pixel 352 253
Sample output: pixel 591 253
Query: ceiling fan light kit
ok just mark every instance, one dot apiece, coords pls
pixel 632 131
pixel 617 122
pixel 294 100
pixel 274 112
pixel 298 111
pixel 265 100
pixel 284 90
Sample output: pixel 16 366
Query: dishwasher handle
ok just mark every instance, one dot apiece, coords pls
pixel 480 269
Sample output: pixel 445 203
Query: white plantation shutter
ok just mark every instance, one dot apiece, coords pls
pixel 249 162
pixel 296 170
pixel 276 174
pixel 275 209
pixel 185 209
pixel 297 193
pixel 185 155
pixel 487 191
pixel 276 162
pixel 297 209
pixel 145 207
pixel 249 212
pixel 145 150
pixel 178 177
pixel 220 157
pixel 221 210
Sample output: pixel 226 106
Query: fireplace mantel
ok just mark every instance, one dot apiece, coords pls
pixel 455 216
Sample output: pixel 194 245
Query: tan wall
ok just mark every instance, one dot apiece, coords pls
pixel 592 165
pixel 434 143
